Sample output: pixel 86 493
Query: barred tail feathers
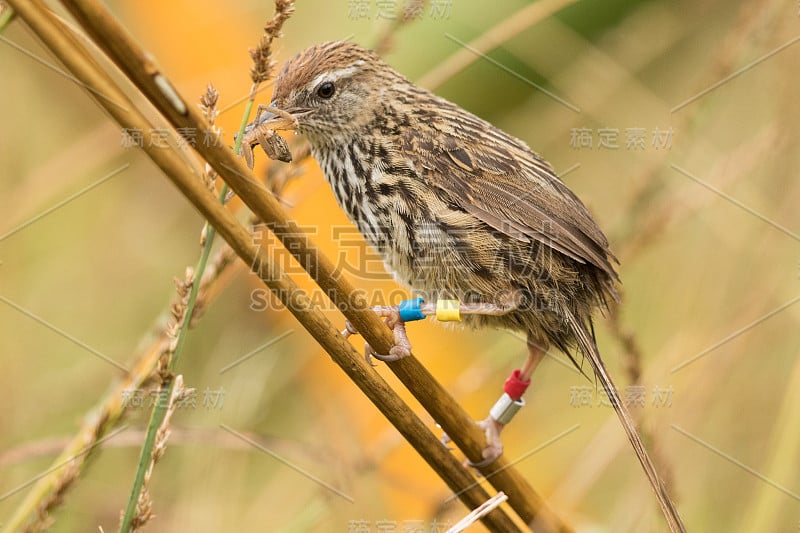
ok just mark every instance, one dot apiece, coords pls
pixel 589 348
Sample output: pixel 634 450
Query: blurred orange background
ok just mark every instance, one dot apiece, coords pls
pixel 706 228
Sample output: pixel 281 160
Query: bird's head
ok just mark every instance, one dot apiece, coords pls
pixel 331 89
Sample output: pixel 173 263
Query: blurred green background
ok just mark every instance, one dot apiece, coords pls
pixel 697 190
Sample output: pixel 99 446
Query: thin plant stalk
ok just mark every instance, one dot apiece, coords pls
pixel 66 47
pixel 165 391
pixel 135 63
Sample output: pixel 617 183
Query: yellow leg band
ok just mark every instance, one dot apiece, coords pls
pixel 448 310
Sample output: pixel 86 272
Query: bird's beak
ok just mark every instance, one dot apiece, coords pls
pixel 281 119
pixel 262 131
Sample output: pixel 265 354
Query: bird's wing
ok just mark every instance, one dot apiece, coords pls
pixel 499 180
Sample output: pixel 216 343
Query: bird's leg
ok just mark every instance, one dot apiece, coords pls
pixel 396 317
pixel 510 402
pixel 393 318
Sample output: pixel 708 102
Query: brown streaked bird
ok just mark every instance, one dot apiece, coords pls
pixel 458 209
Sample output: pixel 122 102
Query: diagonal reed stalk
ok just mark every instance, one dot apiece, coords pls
pixel 59 39
pixel 146 76
pixel 137 512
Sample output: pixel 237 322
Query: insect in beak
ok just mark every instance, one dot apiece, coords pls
pixel 262 131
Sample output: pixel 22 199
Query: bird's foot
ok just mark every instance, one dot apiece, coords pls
pixel 392 319
pixel 500 415
pixel 494 446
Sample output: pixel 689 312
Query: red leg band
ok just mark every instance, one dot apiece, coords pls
pixel 514 386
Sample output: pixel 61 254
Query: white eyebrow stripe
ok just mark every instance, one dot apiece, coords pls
pixel 337 74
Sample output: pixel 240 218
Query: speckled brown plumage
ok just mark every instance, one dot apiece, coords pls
pixel 456 207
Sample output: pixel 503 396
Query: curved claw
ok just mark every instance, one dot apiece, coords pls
pixel 402 346
pixel 395 354
pixel 493 449
pixel 369 353
pixel 348 330
pixel 486 462
pixel 388 358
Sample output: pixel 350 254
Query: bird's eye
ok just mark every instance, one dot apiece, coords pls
pixel 326 90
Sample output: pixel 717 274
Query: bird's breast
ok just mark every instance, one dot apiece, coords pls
pixel 421 239
pixel 427 243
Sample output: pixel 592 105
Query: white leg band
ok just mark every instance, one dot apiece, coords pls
pixel 505 408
